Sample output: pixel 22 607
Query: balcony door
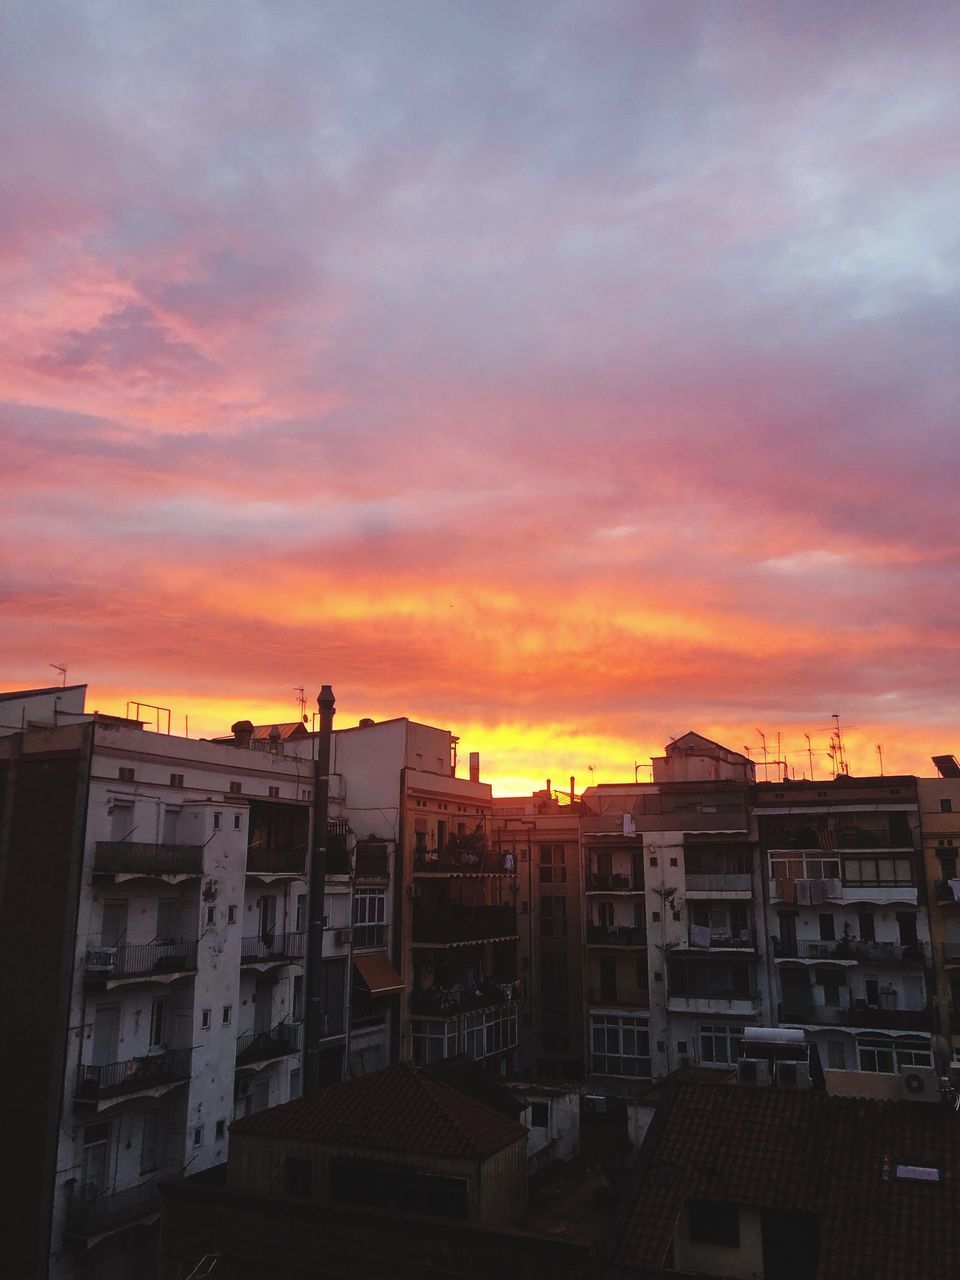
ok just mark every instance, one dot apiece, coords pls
pixel 95 1168
pixel 268 917
pixel 106 1034
pixel 263 1005
pixel 114 927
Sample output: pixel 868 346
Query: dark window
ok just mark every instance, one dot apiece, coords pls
pixel 299 1176
pixel 713 1223
pixel 221 1129
pixel 273 791
pixel 553 869
pixel 828 932
pixel 235 788
pixel 127 775
pixel 236 822
pixel 176 779
pixel 539 1115
pixel 946 806
pixel 553 917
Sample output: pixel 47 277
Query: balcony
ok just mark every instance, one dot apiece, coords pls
pixel 458 926
pixel 126 857
pixel 803 1011
pixel 372 863
pixel 116 1080
pixel 442 1002
pixel 598 883
pixel 852 950
pixel 274 948
pixel 161 961
pixel 800 893
pixel 599 935
pixel 457 862
pixel 730 1003
pixel 265 861
pixel 703 939
pixel 719 885
pixel 945 893
pixel 98 1215
pixel 264 1046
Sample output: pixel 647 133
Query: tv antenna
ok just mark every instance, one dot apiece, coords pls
pixel 63 672
pixel 301 701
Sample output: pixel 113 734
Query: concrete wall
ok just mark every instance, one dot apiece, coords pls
pixel 744 1263
pixel 51 708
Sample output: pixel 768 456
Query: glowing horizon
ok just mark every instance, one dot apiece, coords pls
pixel 566 376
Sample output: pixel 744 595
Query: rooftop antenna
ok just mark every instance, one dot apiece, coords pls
pixel 809 755
pixel 301 701
pixel 880 754
pixel 844 768
pixel 63 673
pixel 763 740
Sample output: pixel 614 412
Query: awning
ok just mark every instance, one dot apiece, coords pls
pixel 378 974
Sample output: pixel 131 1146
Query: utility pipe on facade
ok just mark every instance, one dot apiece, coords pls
pixel 315 1010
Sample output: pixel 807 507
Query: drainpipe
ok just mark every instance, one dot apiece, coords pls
pixel 315 1011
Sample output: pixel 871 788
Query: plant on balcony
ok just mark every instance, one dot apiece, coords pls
pixel 845 941
pixel 466 847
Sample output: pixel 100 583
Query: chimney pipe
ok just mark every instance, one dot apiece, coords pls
pixel 242 733
pixel 474 766
pixel 315 1008
pixel 572 788
pixel 549 788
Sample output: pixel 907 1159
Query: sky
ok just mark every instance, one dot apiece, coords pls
pixel 570 375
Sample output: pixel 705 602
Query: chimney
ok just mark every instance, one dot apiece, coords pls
pixel 474 766
pixel 573 793
pixel 242 733
pixel 549 788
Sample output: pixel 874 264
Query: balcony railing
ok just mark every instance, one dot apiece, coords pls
pixel 261 1046
pixel 856 1016
pixel 718 882
pixel 273 946
pixel 126 856
pixel 616 936
pixel 458 862
pixel 97 1083
pixel 278 862
pixel 463 924
pixel 714 1002
pixel 705 939
pixel 602 883
pixel 150 960
pixel 848 949
pixel 446 1001
pixel 94 1215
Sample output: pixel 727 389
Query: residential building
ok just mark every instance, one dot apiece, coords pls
pixel 767 1183
pixel 540 833
pixel 939 804
pixel 848 918
pixel 673 917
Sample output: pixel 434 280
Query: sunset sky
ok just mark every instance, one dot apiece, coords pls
pixel 569 375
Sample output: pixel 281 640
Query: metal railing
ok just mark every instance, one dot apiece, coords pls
pixel 718 882
pixel 483 862
pixel 94 1083
pixel 616 936
pixel 598 882
pixel 440 1001
pixel 142 961
pixel 276 861
pixel 95 1214
pixel 848 949
pixel 463 924
pixel 714 1001
pixel 273 946
pixel 147 859
pixel 261 1046
pixel 735 940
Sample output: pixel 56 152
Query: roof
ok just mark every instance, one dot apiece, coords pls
pixel 798 1149
pixel 398 1109
pixel 692 737
pixel 295 729
pixel 15 694
pixel 464 1075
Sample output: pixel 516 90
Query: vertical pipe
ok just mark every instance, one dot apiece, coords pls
pixel 315 1011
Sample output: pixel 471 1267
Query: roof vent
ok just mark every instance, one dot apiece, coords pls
pixel 365 723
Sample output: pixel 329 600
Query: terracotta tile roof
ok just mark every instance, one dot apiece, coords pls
pixel 398 1109
pixel 293 729
pixel 797 1149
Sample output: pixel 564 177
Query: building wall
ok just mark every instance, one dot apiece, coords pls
pixel 939 801
pixel 745 1262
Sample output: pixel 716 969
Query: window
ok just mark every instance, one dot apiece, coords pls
pixel 553 869
pixel 236 822
pixel 216 821
pixel 828 931
pixel 720 1044
pixel 236 788
pixel 711 1222
pixel 489 1031
pixel 554 976
pixel 553 917
pixel 221 1130
pixel 832 980
pixel 306 793
pixel 433 1039
pixel 231 915
pixel 176 779
pixel 946 806
pixel 205 1019
pixel 539 1115
pixel 198 1136
pixel 158 1024
pixel 878 1053
pixel 127 775
pixel 369 913
pixel 619 1045
pixel 877 871
pixel 297 1013
pixel 211 915
pixel 273 792
pixel 227 1014
pixel 301 915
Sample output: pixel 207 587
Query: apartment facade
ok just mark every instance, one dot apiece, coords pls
pixel 848 919
pixel 939 803
pixel 540 834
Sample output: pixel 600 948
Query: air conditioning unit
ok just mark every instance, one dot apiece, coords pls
pixel 341 937
pixel 793 1075
pixel 920 1084
pixel 753 1071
